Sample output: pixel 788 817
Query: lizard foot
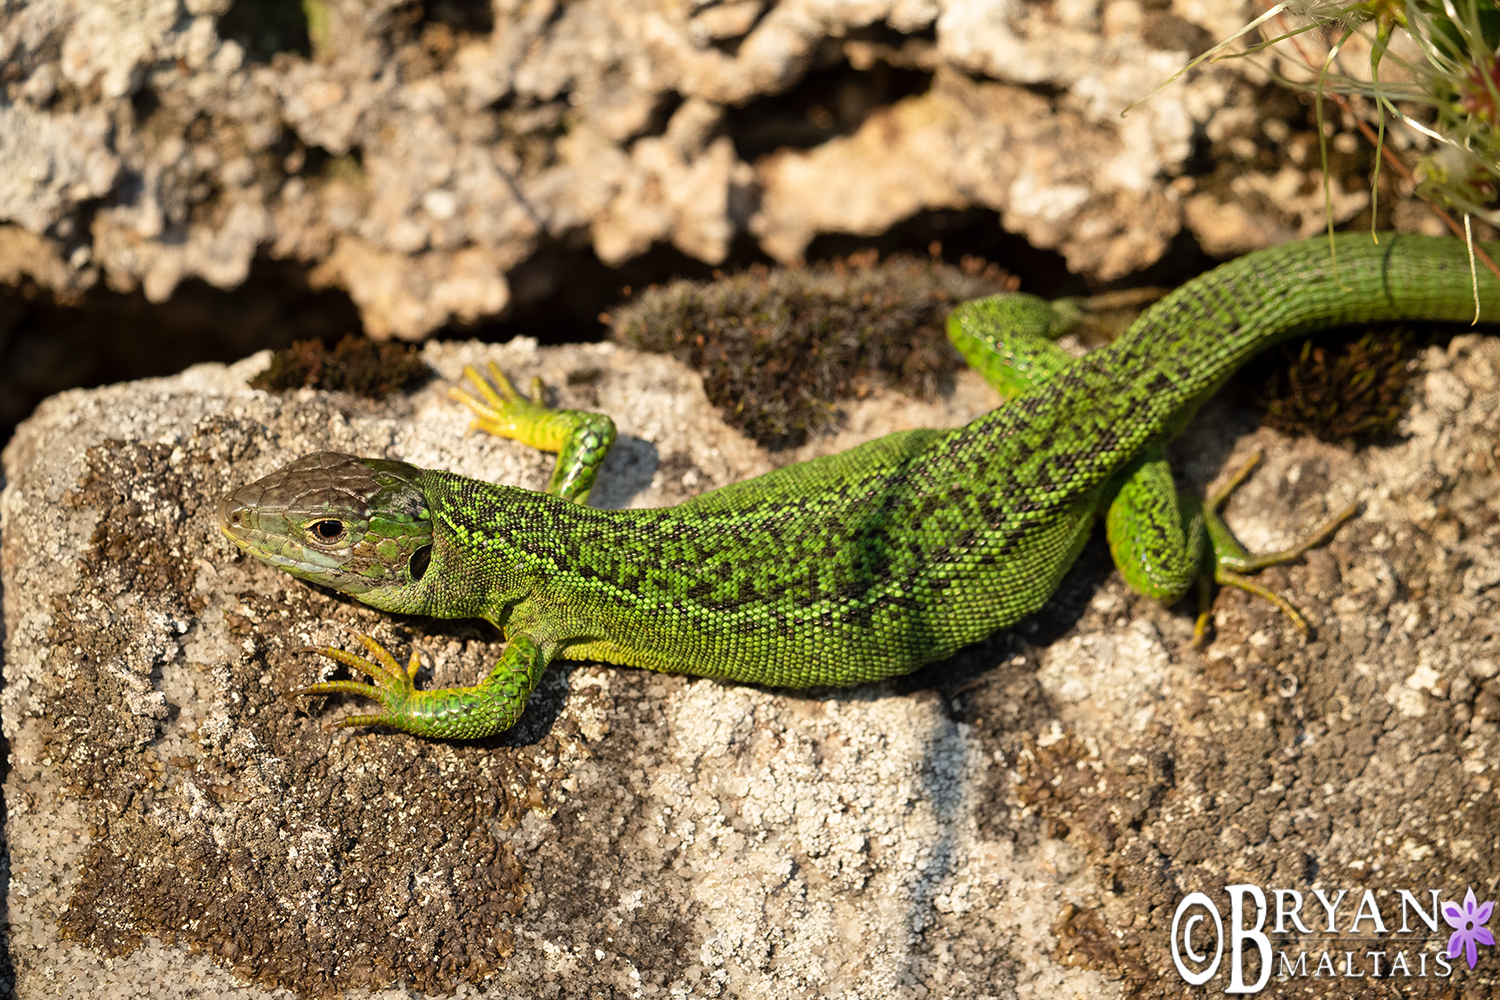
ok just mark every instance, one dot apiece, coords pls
pixel 580 438
pixel 1232 562
pixel 394 686
pixel 501 409
pixel 464 713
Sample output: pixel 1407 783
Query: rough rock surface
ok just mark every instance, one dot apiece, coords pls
pixel 1019 822
pixel 416 155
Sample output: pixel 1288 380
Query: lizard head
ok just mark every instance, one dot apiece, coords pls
pixel 358 525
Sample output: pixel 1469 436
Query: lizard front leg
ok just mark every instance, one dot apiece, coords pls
pixel 581 438
pixel 459 713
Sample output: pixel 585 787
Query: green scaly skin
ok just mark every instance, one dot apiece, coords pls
pixel 849 568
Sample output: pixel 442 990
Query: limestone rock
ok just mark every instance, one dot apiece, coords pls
pixel 416 156
pixel 1019 822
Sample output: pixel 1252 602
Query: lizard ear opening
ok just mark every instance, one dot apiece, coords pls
pixel 420 560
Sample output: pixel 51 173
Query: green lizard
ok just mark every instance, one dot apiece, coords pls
pixel 848 568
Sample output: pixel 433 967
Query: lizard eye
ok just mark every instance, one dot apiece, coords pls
pixel 327 530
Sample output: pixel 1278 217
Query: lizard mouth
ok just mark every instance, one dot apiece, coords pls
pixel 231 516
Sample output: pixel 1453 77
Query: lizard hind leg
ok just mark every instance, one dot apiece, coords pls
pixel 1156 535
pixel 580 438
pixel 1008 339
pixel 1232 562
pixel 1164 541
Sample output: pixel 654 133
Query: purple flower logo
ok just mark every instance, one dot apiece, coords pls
pixel 1468 927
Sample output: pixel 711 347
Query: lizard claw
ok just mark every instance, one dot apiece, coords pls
pixel 1231 562
pixel 463 713
pixel 394 686
pixel 499 408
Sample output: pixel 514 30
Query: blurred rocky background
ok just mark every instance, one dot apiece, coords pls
pixel 188 180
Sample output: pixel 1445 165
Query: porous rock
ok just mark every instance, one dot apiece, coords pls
pixel 1019 822
pixel 416 155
